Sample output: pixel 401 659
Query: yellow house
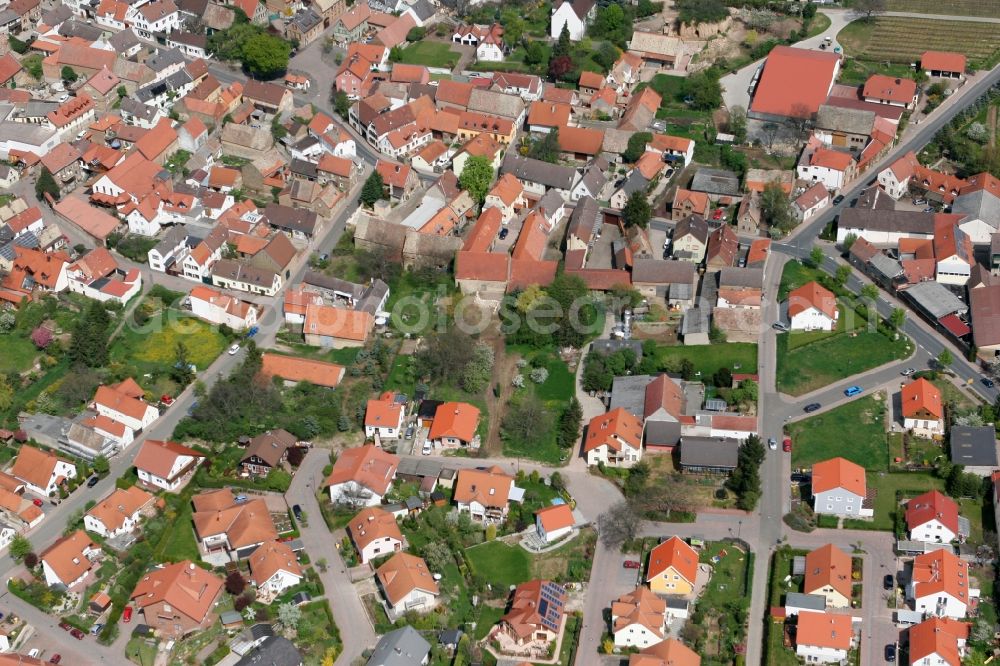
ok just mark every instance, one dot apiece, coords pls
pixel 828 573
pixel 673 566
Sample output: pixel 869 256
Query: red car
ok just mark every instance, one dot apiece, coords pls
pixel 632 564
pixel 37 502
pixel 127 615
pixel 166 400
pixel 65 626
pixel 786 445
pixel 717 215
pixel 77 634
pixel 56 658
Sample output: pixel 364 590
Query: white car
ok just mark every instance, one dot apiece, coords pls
pixel 772 444
pixel 62 98
pixel 428 447
pixel 235 348
pixel 908 372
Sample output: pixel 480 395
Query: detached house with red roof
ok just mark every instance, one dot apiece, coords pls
pixel 933 518
pixel 485 494
pixel 923 412
pixel 407 584
pixel 832 168
pixel 67 562
pixel 123 403
pixel 384 417
pixel 97 275
pixel 839 488
pixel 455 425
pixel 375 533
pixel 274 568
pixel 614 438
pixel 938 641
pixel 554 522
pixel 41 471
pixel 940 585
pixel 823 638
pixel 362 476
pixel 178 599
pixel 812 308
pixel 535 619
pixel 828 574
pixel 952 252
pixel 891 90
pixel 673 567
pixel 638 619
pixel 166 465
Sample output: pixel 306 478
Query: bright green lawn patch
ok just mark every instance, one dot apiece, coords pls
pixel 777 653
pixel 728 577
pixel 18 353
pixel 430 54
pixel 179 543
pixel 979 513
pixel 795 274
pixel 499 563
pixel 488 616
pixel 139 651
pixel 155 350
pixel 855 430
pixel 707 359
pixel 910 484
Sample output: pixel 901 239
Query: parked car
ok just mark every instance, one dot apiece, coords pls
pixel 920 202
pixel 504 232
pixel 798 477
pixel 235 348
pixel 772 443
pixel 239 499
pixel 254 330
pixel 837 199
pixel 786 445
pixel 127 615
pixel 56 658
pixel 852 391
pixel 92 481
pixel 37 502
pixel 890 652
pixel 929 209
pixel 297 510
pixel 409 432
pixel 96 629
pixel 428 448
pixel 888 581
pixel 779 326
pixel 987 382
pixel 65 626
pixel 812 407
pixel 77 634
pixel 632 564
pixel 822 46
pixel 166 400
pixel 717 215
pixel 908 372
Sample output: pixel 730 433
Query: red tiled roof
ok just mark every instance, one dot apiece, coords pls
pixel 932 505
pixel 838 473
pixel 942 61
pixel 795 82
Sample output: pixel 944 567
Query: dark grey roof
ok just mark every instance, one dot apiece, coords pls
pixel 188 38
pixel 816 602
pixel 935 299
pixel 402 647
pixel 123 41
pixel 232 270
pixel 629 393
pixel 294 219
pixel 174 82
pixel 696 320
pixel 635 182
pixel 974 446
pixel 716 181
pixel 886 265
pixel 57 15
pixel 875 197
pixel 536 171
pixel 449 636
pixel 661 271
pixel 898 221
pixel 303 168
pixel 273 651
pixel 981 205
pixel 741 277
pixel 423 9
pixel 307 20
pixel 550 202
pixel 27 239
pixel 164 59
pixel 852 121
pixel 694 225
pixel 74 28
pixel 586 219
pixel 712 452
pixel 593 179
pixel 133 106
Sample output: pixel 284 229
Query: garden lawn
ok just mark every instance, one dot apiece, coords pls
pixel 570 562
pixel 499 563
pixel 887 486
pixel 795 274
pixel 317 632
pixel 138 651
pixel 155 351
pixel 855 430
pixel 951 394
pixel 830 360
pixel 728 577
pixel 18 353
pixel 430 54
pixel 777 653
pixel 707 359
pixel 179 543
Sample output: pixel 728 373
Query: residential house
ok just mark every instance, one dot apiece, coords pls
pixel 507 196
pixel 384 418
pixel 794 83
pixel 455 425
pixel 891 90
pixel 675 150
pixel 119 512
pixel 268 97
pixel 940 586
pixel 833 168
pixel 974 447
pixel 67 562
pixel 979 202
pixel 374 533
pixel 722 249
pixel 673 281
pixel 638 619
pixel 484 494
pixel 539 177
pixel 274 568
pixel 544 117
pixel 267 451
pixel 687 202
pixel 554 522
pixel 294 370
pixel 166 465
pixel 952 253
pixel 839 488
pixel 690 241
pixel 922 408
pixel 614 438
pixel 225 524
pixel 123 402
pixel 938 641
pixel 41 471
pixel 328 326
pixel 673 567
pixel 218 308
pixel 536 615
pixel 933 518
pixel 399 179
pixel 810 202
pixel 573 16
pixel 361 476
pixel 670 652
pixel 812 308
pixel 828 574
pixel 823 638
pixel 656 49
pixel 240 276
pixel 401 647
pixel 407 584
pixel 97 275
pixel 178 599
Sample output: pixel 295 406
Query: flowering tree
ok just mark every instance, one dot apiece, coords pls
pixel 42 337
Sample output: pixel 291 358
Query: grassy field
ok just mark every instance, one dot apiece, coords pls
pixel 499 563
pixel 796 274
pixel 179 543
pixel 951 394
pixel 989 8
pixel 555 393
pixel 887 485
pixel 154 351
pixel 431 54
pixel 18 353
pixel 855 431
pixel 138 651
pixel 902 40
pixel 707 359
pixel 570 562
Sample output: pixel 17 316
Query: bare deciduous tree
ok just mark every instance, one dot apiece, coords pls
pixel 618 524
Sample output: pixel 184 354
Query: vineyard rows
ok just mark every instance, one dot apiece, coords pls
pixel 902 40
pixel 988 8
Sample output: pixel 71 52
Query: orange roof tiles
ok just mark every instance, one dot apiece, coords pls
pixel 244 524
pixel 824 630
pixel 591 80
pixel 490 487
pixel 812 295
pixel 831 159
pixel 674 554
pixel 548 114
pixel 828 566
pixel 328 321
pixel 939 636
pixel 272 557
pixel 838 473
pixel 891 88
pixel 368 466
pixel 35 466
pixel 794 82
pixel 581 140
pixel 533 239
pixel 932 505
pixel 941 572
pixel 482 266
pixel 670 652
pixel 527 272
pixel 67 556
pixel 458 420
pixel 157 457
pixel 384 411
pixel 295 369
pixel 649 165
pixel 613 428
pixel 120 505
pixel 371 525
pixel 942 61
pixel 403 573
pixel 157 140
pixel 187 588
pixel 484 232
pixel 508 188
pixel 641 606
pixel 921 399
pixel 555 517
